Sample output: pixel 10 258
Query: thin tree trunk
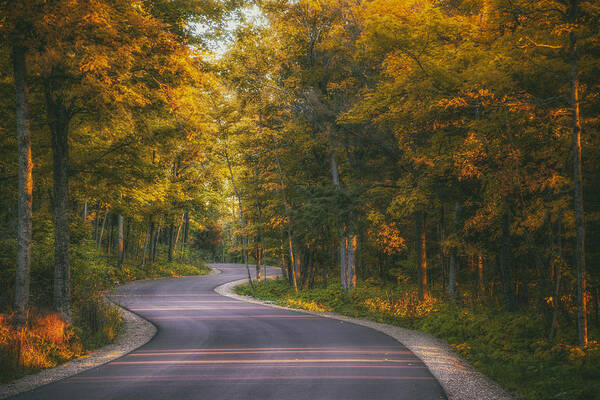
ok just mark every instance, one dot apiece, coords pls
pixel 441 248
pixel 111 232
pixel 184 237
pixel 97 225
pixel 348 239
pixel 146 243
pixel 102 230
pixel 84 213
pixel 156 242
pixel 480 281
pixel 151 248
pixel 59 127
pixel 171 242
pixel 351 261
pixel 577 182
pixel 288 217
pixel 557 276
pixel 259 244
pixel 242 223
pixel 120 241
pixel 24 227
pixel 505 269
pixel 178 232
pixel 128 243
pixel 453 259
pixel 344 262
pixel 421 253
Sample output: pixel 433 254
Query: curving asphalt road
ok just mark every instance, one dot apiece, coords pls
pixel 213 347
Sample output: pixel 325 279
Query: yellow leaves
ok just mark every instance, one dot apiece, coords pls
pixel 467 161
pixel 386 235
pixel 95 63
pixel 277 221
pixel 306 305
pixel 94 18
pixel 407 305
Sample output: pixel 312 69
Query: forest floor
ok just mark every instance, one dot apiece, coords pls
pixel 510 348
pixel 47 341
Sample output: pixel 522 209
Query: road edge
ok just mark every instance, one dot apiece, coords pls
pixel 459 380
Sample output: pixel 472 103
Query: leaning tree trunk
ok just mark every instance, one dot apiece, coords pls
pixel 99 244
pixel 25 188
pixel 577 183
pixel 59 127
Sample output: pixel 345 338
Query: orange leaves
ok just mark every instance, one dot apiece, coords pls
pixel 386 235
pixel 95 63
pixel 467 161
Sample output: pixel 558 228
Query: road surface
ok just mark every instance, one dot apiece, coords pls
pixel 214 347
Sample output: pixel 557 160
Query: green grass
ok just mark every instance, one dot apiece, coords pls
pixel 511 348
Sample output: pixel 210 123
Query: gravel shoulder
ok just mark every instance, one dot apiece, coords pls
pixel 459 380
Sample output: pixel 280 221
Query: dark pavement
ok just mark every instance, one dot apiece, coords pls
pixel 214 347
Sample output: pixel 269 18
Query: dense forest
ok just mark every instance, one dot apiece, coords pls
pixel 446 150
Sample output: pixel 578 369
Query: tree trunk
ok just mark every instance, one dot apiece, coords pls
pixel 421 253
pixel 577 182
pixel 96 225
pixel 344 262
pixel 84 213
pixel 156 242
pixel 348 239
pixel 505 268
pixel 184 238
pixel 111 232
pixel 557 275
pixel 171 242
pixel 351 261
pixel 24 227
pixel 288 217
pixel 441 234
pixel 147 239
pixel 453 259
pixel 151 242
pixel 120 241
pixel 102 230
pixel 480 281
pixel 178 233
pixel 58 117
pixel 242 223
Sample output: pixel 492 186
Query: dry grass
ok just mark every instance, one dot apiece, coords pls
pixel 44 342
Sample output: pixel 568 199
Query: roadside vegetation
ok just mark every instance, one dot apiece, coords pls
pixel 46 340
pixel 510 348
